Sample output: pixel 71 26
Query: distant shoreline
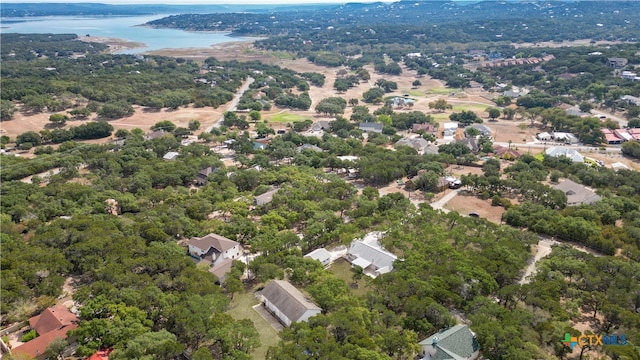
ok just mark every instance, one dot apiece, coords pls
pixel 114 44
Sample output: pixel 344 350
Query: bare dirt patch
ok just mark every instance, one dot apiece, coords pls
pixel 465 204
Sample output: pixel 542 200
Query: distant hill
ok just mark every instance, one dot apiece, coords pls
pixel 97 9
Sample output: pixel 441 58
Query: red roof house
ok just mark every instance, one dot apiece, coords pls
pixel 52 323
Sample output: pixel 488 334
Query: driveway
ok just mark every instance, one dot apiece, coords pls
pixel 234 103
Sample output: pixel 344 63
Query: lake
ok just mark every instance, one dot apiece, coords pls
pixel 122 27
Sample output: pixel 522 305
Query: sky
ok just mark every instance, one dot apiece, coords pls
pixel 209 2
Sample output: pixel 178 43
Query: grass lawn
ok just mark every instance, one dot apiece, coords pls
pixel 241 308
pixel 342 270
pixel 442 91
pixel 474 107
pixel 288 118
pixel 413 92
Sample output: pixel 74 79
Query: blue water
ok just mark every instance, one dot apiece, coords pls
pixel 122 27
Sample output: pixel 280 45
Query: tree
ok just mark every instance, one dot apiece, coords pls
pixel 56 348
pixel 194 125
pixel 416 83
pixel 466 117
pixel 585 107
pixel 373 95
pixel 471 132
pixel 7 109
pixel 494 113
pixel 29 137
pixel 115 110
pixel 631 149
pixel 440 105
pixel 508 113
pixel 353 101
pixel 255 115
pixel 151 345
pixel 165 125
pixel 58 119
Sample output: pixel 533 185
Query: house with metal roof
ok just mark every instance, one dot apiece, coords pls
pixel 566 152
pixel 455 343
pixel 370 256
pixel 321 255
pixel 287 303
pixel 265 198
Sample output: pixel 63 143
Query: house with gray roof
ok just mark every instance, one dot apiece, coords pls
pixel 370 256
pixel 265 198
pixel 481 128
pixel 171 155
pixel 455 343
pixel 572 154
pixel 213 248
pixel 368 127
pixel 321 125
pixel 577 194
pixel 419 144
pixel 203 175
pixel 287 303
pixel 321 255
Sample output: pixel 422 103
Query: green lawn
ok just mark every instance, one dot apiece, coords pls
pixel 413 92
pixel 342 270
pixel 242 308
pixel 474 107
pixel 441 91
pixel 288 118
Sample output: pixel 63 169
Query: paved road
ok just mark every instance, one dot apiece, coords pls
pixel 234 103
pixel 540 145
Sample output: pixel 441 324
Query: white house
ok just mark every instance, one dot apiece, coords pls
pixel 565 137
pixel 577 194
pixel 287 303
pixel 214 248
pixel 321 255
pixel 450 128
pixel 171 155
pixel 265 198
pixel 570 153
pixel 370 256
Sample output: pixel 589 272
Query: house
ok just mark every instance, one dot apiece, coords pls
pixel 287 303
pixel 610 137
pixel 100 355
pixel 564 152
pixel 506 153
pixel 471 143
pixel 155 134
pixel 321 255
pixel 616 62
pixel 311 147
pixel 203 175
pixel 214 248
pixel 321 126
pixel 419 144
pixel 565 137
pixel 368 127
pixel 619 166
pixel 222 269
pixel 482 129
pixel 575 111
pixel 623 134
pixel 450 129
pixel 264 198
pixel 455 343
pixel 576 193
pixel 631 100
pixel 544 136
pixel 51 324
pixel 170 156
pixel 370 256
pixel 423 128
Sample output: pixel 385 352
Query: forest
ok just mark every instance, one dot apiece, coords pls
pixel 130 265
pixel 140 293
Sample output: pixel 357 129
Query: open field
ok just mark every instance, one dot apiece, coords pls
pixel 287 117
pixel 242 308
pixel 465 204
